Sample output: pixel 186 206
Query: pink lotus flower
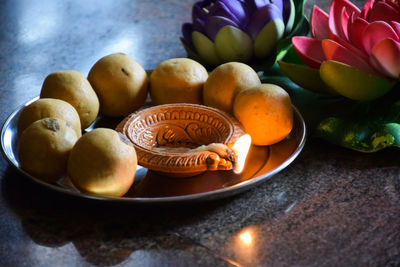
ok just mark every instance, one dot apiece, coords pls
pixel 356 52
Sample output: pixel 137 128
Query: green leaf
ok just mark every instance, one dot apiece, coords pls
pixel 301 28
pixel 394 130
pixel 299 6
pixel 368 127
pixel 292 15
pixel 363 137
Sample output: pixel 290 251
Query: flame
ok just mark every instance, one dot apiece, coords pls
pixel 246 238
pixel 241 148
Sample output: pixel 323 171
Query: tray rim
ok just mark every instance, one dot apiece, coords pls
pixel 198 197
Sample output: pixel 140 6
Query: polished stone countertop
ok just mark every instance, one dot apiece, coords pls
pixel 330 207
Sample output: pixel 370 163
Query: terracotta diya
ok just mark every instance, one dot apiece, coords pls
pixel 181 140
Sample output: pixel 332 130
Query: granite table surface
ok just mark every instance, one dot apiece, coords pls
pixel 330 207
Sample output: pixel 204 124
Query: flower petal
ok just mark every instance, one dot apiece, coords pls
pixel 352 83
pixel 356 32
pixel 232 44
pixel 238 8
pixel 359 52
pixel 221 10
pixel 383 11
pixel 279 4
pixel 258 3
pixel 215 23
pixel 337 52
pixel 199 25
pixel 393 4
pixel 344 18
pixel 305 77
pixel 345 42
pixel 261 17
pixel 375 32
pixel 309 50
pixel 190 50
pixel 266 40
pixel 387 54
pixel 319 23
pixel 205 48
pixel 366 9
pixel 198 10
pixel 335 15
pixel 395 26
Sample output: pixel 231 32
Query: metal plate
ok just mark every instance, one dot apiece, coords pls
pixel 149 187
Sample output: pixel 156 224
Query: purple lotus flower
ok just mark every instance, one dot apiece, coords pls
pixel 241 30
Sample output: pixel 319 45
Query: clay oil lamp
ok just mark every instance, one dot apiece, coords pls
pixel 182 140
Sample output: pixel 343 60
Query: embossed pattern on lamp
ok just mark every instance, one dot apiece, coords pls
pixel 182 140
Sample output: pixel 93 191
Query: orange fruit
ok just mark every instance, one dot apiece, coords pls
pixel 225 82
pixel 103 162
pixel 121 84
pixel 44 147
pixel 72 87
pixel 266 113
pixel 177 80
pixel 49 108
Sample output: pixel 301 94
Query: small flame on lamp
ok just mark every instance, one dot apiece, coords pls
pixel 241 149
pixel 246 238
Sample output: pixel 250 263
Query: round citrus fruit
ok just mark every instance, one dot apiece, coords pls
pixel 177 80
pixel 225 82
pixel 44 147
pixel 72 87
pixel 102 162
pixel 121 84
pixel 265 112
pixel 49 108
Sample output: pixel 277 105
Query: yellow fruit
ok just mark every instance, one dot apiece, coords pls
pixel 177 80
pixel 44 147
pixel 265 112
pixel 121 84
pixel 49 108
pixel 103 163
pixel 225 82
pixel 72 87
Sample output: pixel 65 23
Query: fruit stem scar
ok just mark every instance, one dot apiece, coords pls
pixel 124 72
pixel 51 124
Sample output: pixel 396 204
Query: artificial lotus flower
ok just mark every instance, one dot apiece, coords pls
pixel 354 53
pixel 241 30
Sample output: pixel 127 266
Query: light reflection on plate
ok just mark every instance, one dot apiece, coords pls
pixel 149 187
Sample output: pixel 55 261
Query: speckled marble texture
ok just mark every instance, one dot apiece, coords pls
pixel 331 207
